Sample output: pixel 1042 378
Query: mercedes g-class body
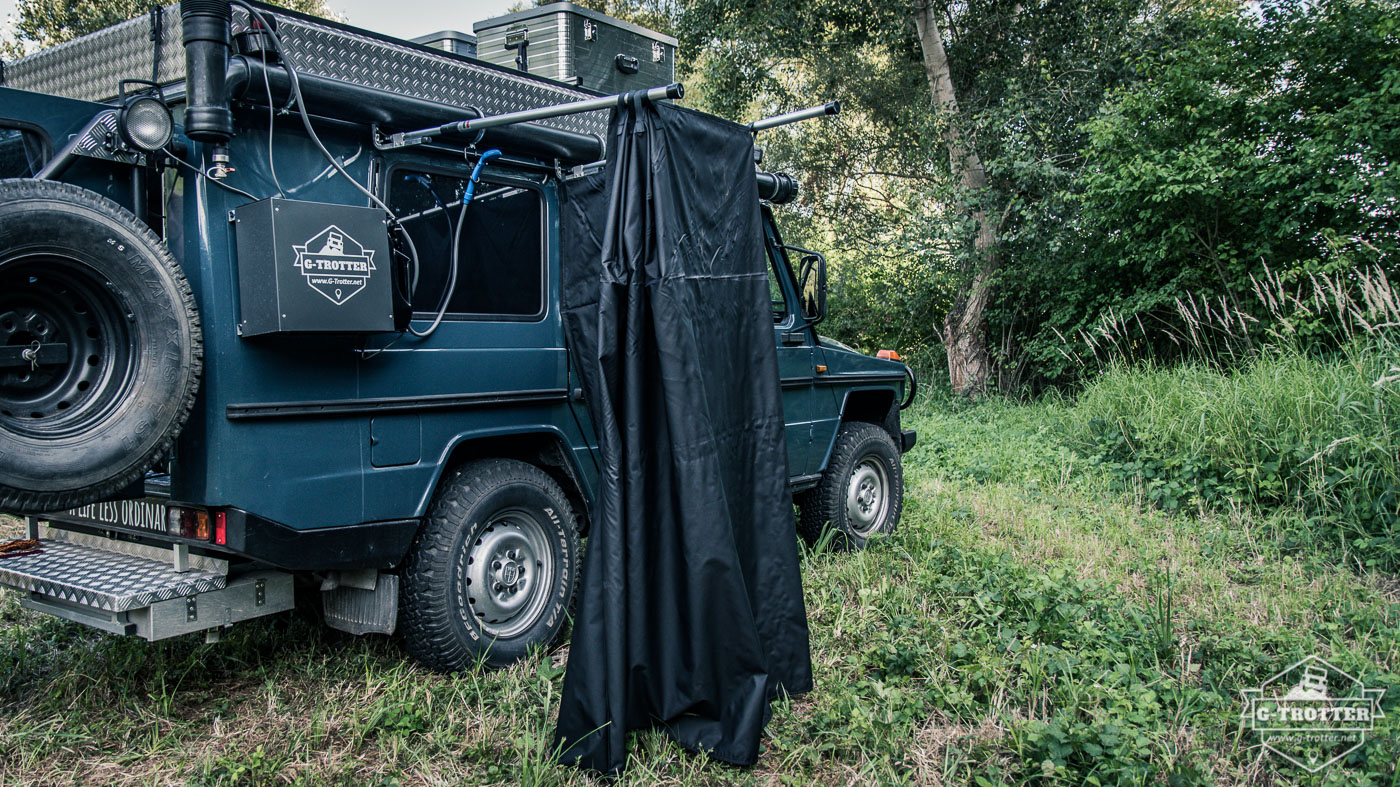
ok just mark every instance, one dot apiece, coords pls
pixel 279 309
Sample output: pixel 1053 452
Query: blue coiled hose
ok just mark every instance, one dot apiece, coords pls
pixel 456 243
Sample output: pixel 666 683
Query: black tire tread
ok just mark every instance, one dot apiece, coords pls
pixel 424 609
pixel 19 190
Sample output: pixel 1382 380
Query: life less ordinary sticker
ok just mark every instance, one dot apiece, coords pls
pixel 335 264
pixel 1312 714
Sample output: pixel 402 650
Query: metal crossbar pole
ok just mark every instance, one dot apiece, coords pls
pixel 542 113
pixel 829 108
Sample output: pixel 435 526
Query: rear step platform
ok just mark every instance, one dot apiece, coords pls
pixel 100 579
pixel 127 588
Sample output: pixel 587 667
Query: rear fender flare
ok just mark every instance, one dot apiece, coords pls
pixel 544 446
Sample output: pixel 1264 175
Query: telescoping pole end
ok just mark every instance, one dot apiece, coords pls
pixel 673 90
pixel 829 108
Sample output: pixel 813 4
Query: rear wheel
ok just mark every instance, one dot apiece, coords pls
pixel 100 347
pixel 494 569
pixel 861 494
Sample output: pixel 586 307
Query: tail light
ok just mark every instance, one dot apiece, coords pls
pixel 195 523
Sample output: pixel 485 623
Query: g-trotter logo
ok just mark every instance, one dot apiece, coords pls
pixel 338 267
pixel 1312 714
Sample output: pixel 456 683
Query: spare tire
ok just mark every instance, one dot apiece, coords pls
pixel 100 347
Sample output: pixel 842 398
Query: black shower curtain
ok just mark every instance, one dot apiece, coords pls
pixel 691 615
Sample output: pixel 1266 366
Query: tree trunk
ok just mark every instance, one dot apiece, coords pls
pixel 964 330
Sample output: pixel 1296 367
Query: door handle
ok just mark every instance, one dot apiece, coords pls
pixel 794 339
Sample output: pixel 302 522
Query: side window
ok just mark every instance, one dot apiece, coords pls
pixel 775 287
pixel 22 152
pixel 500 259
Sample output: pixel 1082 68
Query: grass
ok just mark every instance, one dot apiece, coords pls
pixel 1032 621
pixel 1299 412
pixel 1317 435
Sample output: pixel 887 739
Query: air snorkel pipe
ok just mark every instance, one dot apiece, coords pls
pixel 208 118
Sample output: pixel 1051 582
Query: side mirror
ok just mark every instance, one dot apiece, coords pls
pixel 811 286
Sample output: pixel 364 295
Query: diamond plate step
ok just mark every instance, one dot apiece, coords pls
pixel 101 578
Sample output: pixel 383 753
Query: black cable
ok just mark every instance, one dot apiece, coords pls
pixel 451 289
pixel 301 108
pixel 365 355
pixel 157 38
pixel 271 122
pixel 216 181
pixel 316 139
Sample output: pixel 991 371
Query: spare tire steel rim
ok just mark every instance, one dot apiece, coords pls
pixel 508 573
pixel 867 496
pixel 66 347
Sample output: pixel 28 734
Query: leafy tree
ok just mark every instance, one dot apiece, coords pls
pixel 1259 138
pixel 44 23
pixel 1132 152
pixel 960 139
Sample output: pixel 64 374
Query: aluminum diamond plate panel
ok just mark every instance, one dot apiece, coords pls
pixel 100 140
pixel 90 67
pixel 100 579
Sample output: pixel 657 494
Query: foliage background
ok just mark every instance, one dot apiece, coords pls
pixel 1140 152
pixel 44 23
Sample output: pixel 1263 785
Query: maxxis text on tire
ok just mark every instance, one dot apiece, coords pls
pixel 477 583
pixel 102 343
pixel 864 455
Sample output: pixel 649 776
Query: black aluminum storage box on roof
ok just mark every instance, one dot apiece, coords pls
pixel 577 45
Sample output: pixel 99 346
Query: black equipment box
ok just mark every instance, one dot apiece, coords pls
pixel 579 46
pixel 307 267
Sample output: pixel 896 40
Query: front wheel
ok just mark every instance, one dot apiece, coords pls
pixel 860 494
pixel 494 569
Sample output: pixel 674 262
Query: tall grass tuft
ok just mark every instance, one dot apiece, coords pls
pixel 1307 418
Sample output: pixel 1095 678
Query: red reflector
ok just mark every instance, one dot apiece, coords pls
pixel 220 532
pixel 889 355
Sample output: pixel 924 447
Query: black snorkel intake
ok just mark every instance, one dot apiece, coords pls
pixel 207 34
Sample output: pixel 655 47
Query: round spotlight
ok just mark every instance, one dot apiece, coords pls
pixel 145 123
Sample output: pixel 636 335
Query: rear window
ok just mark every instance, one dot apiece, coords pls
pixel 500 267
pixel 22 152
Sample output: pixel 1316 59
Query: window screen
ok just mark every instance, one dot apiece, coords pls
pixel 500 265
pixel 22 153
